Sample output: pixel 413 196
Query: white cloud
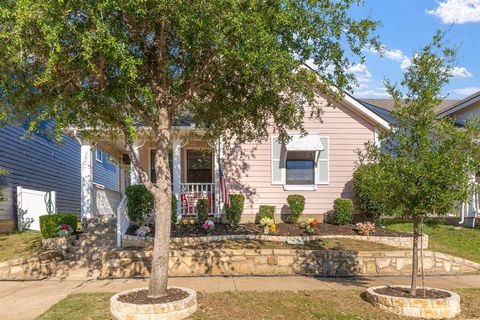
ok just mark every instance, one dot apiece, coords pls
pixel 465 91
pixel 457 11
pixel 395 55
pixel 461 72
pixel 377 93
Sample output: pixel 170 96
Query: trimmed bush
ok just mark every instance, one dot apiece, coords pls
pixel 368 185
pixel 202 210
pixel 50 222
pixel 174 209
pixel 343 211
pixel 297 205
pixel 235 209
pixel 140 203
pixel 265 211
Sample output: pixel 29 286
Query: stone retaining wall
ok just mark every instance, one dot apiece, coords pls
pixel 34 268
pixel 400 242
pixel 282 262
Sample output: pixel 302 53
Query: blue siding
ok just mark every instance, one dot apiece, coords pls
pixel 105 172
pixel 42 164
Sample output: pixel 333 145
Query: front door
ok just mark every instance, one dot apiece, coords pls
pixel 199 166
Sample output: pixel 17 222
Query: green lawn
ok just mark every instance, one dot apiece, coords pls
pixel 19 244
pixel 457 241
pixel 338 305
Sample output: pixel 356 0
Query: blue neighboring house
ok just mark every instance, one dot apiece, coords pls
pixel 40 163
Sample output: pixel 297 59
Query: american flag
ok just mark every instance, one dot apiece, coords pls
pixel 223 187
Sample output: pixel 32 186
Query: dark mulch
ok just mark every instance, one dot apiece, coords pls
pixel 405 293
pixel 140 297
pixel 283 229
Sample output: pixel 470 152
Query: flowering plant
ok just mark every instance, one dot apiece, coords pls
pixel 64 230
pixel 191 221
pixel 365 228
pixel 268 225
pixel 143 231
pixel 310 224
pixel 208 226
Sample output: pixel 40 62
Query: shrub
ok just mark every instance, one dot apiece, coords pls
pixel 174 209
pixel 343 211
pixel 140 203
pixel 265 211
pixel 235 209
pixel 50 222
pixel 297 205
pixel 368 180
pixel 202 210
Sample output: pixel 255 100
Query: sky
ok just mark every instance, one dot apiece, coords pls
pixel 410 24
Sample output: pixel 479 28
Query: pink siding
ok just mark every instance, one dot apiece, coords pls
pixel 252 175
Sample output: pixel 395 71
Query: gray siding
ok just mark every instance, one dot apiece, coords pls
pixel 41 164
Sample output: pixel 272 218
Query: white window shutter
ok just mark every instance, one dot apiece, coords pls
pixel 277 161
pixel 322 170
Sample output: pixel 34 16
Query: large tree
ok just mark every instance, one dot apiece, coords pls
pixel 426 162
pixel 234 66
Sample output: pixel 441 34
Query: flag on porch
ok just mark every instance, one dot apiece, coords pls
pixel 223 187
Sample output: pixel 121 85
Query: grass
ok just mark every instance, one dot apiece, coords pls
pixel 19 244
pixel 457 241
pixel 321 244
pixel 339 305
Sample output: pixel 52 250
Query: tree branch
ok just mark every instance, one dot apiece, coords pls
pixel 141 172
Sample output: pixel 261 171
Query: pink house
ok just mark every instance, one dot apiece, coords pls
pixel 318 166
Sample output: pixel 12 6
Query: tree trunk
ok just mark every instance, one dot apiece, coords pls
pixel 413 288
pixel 163 202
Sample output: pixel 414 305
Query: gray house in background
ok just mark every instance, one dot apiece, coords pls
pixel 42 164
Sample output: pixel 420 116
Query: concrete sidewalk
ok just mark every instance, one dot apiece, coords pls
pixel 29 299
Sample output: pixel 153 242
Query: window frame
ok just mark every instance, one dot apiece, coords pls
pixel 97 157
pixel 283 166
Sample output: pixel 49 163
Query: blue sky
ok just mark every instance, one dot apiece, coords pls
pixel 410 24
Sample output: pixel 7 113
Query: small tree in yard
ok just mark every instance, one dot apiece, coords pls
pixel 234 66
pixel 426 162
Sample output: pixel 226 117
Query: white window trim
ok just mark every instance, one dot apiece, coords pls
pixel 283 168
pixel 97 158
pixel 299 187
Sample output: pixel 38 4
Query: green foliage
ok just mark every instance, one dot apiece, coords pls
pixel 202 210
pixel 140 203
pixel 265 211
pixel 343 211
pixel 174 216
pixel 3 197
pixel 297 205
pixel 50 222
pixel 368 185
pixel 426 161
pixel 234 211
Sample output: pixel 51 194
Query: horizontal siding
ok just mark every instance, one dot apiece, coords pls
pixel 105 172
pixel 250 172
pixel 41 164
pixel 7 207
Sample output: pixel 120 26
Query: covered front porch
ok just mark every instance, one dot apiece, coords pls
pixel 194 165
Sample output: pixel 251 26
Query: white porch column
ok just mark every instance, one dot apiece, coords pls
pixel 134 176
pixel 86 180
pixel 176 170
pixel 218 199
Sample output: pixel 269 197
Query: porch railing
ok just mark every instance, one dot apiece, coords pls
pixel 190 193
pixel 122 220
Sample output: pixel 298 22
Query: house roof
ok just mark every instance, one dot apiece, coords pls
pixel 460 104
pixel 384 107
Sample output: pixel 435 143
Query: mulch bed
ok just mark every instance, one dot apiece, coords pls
pixel 283 229
pixel 405 293
pixel 140 297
